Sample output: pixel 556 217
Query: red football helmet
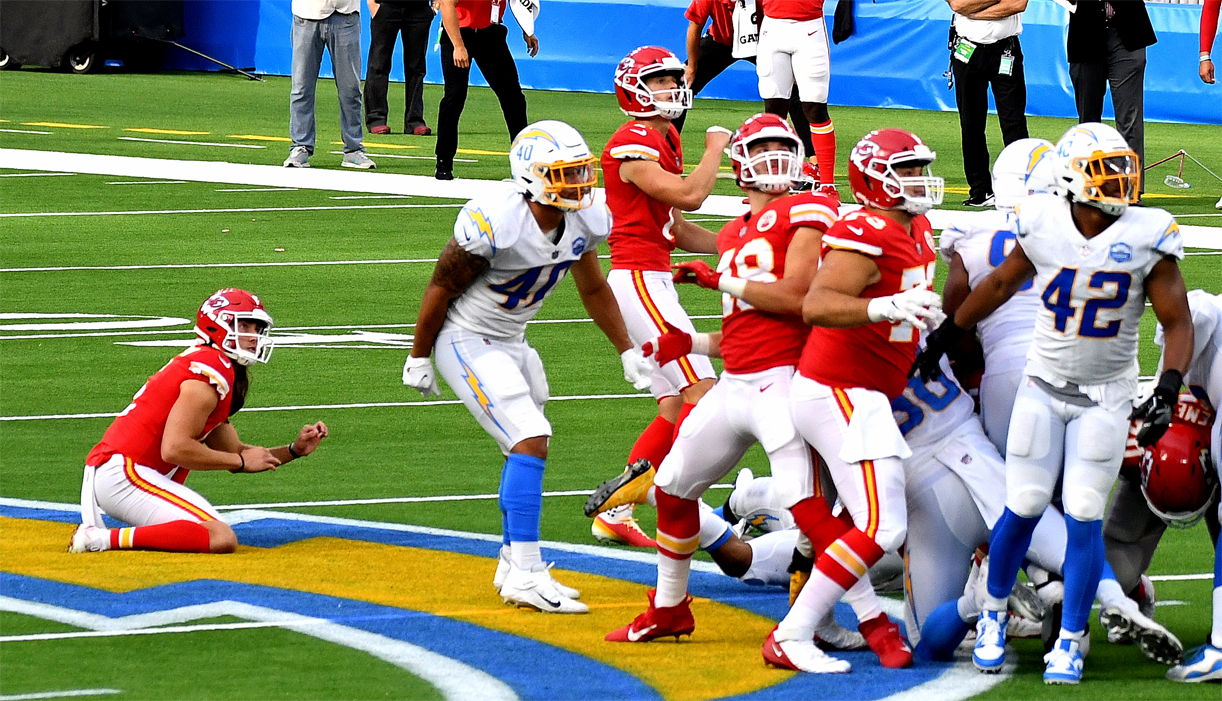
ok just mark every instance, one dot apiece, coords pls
pixel 873 178
pixel 774 170
pixel 637 100
pixel 216 323
pixel 1177 475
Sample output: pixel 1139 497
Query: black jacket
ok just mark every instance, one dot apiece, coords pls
pixel 1087 42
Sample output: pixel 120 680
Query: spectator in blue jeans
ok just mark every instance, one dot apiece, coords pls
pixel 336 25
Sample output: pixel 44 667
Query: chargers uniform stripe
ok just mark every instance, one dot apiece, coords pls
pixel 129 470
pixel 642 292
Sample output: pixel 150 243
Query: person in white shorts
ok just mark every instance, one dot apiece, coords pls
pixel 509 251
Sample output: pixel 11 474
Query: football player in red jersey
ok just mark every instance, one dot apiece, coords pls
pixel 179 422
pixel 647 193
pixel 767 259
pixel 867 303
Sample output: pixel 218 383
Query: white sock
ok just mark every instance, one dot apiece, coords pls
pixel 967 609
pixel 525 554
pixel 813 603
pixel 864 601
pixel 1215 638
pixel 712 526
pixel 672 581
pixel 1070 635
pixel 651 497
pixel 1109 593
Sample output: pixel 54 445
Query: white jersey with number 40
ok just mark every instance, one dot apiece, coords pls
pixel 526 264
pixel 1092 290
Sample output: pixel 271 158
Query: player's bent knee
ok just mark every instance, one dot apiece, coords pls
pixel 1085 504
pixel 221 538
pixel 891 538
pixel 535 446
pixel 1028 502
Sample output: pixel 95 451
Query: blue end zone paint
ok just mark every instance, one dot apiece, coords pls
pixel 502 655
pixel 869 680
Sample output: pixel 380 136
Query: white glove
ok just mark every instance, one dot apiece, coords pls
pixel 910 306
pixel 418 373
pixel 637 369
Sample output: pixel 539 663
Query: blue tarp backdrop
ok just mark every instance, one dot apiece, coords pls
pixel 895 59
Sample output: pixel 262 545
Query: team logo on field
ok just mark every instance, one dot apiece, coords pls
pixel 1121 252
pixel 579 246
pixel 767 219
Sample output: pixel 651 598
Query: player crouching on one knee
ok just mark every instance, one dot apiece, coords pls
pixel 177 423
pixel 510 250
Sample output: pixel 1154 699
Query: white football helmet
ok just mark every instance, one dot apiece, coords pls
pixel 551 163
pixel 1095 166
pixel 1022 168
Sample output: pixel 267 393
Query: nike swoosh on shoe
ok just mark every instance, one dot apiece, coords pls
pixel 634 636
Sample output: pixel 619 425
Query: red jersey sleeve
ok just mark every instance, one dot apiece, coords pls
pixel 859 232
pixel 640 234
pixel 814 210
pixel 699 11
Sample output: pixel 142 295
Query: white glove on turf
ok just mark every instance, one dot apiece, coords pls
pixel 637 369
pixel 419 373
pixel 912 306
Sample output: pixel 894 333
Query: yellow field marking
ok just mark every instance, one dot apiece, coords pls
pixel 1165 196
pixel 722 659
pixel 176 132
pixel 480 152
pixel 65 126
pixel 375 145
pixel 257 137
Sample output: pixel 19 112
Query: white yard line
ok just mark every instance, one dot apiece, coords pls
pixel 227 210
pixel 370 197
pixel 31 175
pixel 148 182
pixel 25 131
pixel 258 189
pixel 188 143
pixel 57 694
pixel 147 631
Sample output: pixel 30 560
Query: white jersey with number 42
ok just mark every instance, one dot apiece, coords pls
pixel 526 264
pixel 1092 290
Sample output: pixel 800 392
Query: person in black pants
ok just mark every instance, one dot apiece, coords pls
pixel 388 19
pixel 472 35
pixel 985 52
pixel 1107 45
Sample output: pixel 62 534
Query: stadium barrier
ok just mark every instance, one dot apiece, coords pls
pixel 895 59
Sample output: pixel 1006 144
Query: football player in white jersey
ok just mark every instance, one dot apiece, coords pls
pixel 509 251
pixel 975 244
pixel 1175 476
pixel 1095 260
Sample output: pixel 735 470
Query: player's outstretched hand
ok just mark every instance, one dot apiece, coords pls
pixel 1156 411
pixel 258 460
pixel 637 370
pixel 696 272
pixel 419 373
pixel 912 306
pixel 668 347
pixel 937 343
pixel 716 138
pixel 308 438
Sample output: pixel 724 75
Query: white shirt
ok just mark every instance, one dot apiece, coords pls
pixel 1092 290
pixel 322 9
pixel 526 263
pixel 927 413
pixel 983 240
pixel 1206 364
pixel 988 31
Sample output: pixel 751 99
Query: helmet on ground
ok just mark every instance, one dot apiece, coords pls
pixel 774 170
pixel 1177 475
pixel 873 176
pixel 219 319
pixel 1095 166
pixel 551 162
pixel 1022 168
pixel 636 99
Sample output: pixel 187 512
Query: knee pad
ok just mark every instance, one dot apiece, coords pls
pixel 1029 501
pixel 1085 503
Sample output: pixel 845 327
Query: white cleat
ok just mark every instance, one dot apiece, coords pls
pixel 1203 664
pixel 89 539
pixel 503 564
pixel 1064 663
pixel 833 636
pixel 802 656
pixel 1155 641
pixel 1025 602
pixel 535 589
pixel 989 653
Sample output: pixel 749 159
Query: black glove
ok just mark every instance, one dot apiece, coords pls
pixel 1156 411
pixel 937 343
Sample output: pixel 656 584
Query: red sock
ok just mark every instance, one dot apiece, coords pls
pixel 654 442
pixel 687 409
pixel 823 136
pixel 175 536
pixel 678 526
pixel 848 558
pixel 814 518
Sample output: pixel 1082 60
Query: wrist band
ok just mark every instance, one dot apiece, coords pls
pixel 733 286
pixel 242 467
pixel 700 343
pixel 1205 57
pixel 291 451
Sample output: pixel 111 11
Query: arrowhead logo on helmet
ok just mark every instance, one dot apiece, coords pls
pixel 874 178
pixel 637 99
pixel 221 319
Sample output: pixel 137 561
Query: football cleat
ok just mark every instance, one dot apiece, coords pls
pixel 89 539
pixel 1064 663
pixel 617 525
pixel 830 635
pixel 989 653
pixel 657 623
pixel 885 640
pixel 535 589
pixel 629 487
pixel 800 568
pixel 1202 664
pixel 1145 604
pixel 1050 630
pixel 801 656
pixel 1155 641
pixel 503 564
pixel 1026 603
pixel 1020 627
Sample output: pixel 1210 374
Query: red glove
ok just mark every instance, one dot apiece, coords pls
pixel 670 346
pixel 698 272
